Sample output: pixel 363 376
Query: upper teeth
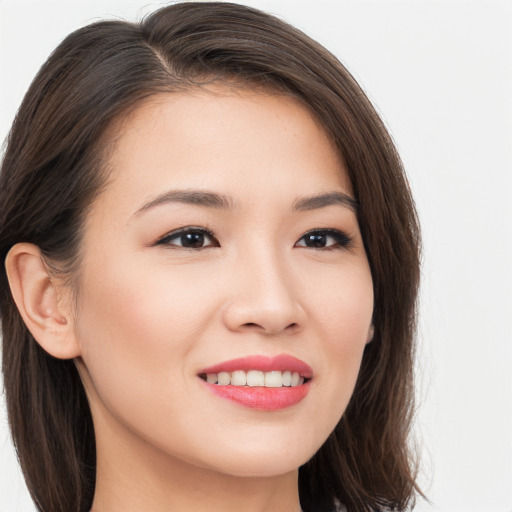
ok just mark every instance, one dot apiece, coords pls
pixel 256 378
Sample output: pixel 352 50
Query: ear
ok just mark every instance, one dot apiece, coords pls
pixel 43 305
pixel 371 332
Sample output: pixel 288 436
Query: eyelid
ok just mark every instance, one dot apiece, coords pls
pixel 343 240
pixel 164 240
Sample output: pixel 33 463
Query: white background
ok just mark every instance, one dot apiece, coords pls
pixel 440 73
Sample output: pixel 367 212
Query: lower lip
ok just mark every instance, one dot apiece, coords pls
pixel 262 398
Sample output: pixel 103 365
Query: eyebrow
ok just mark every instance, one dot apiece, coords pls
pixel 195 197
pixel 221 202
pixel 323 200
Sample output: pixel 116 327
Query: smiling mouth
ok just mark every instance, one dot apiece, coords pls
pixel 260 382
pixel 255 378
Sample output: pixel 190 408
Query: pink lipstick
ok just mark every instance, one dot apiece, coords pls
pixel 260 382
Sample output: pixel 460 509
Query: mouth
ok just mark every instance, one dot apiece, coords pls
pixel 260 382
pixel 255 378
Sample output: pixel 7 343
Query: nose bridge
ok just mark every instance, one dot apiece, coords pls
pixel 265 295
pixel 269 275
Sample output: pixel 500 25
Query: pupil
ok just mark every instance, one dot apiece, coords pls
pixel 316 240
pixel 192 240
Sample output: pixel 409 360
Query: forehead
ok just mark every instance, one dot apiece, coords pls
pixel 223 138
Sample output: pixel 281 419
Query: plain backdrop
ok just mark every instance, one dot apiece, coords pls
pixel 440 74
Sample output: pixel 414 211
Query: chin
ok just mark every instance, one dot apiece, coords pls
pixel 264 461
pixel 266 468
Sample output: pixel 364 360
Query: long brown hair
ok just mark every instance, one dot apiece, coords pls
pixel 53 169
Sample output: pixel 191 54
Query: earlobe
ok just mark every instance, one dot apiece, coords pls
pixel 40 302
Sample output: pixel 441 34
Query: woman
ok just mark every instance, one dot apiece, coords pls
pixel 211 259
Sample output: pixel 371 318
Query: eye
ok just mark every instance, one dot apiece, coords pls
pixel 327 239
pixel 190 238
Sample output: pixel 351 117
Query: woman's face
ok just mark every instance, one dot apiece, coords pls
pixel 226 232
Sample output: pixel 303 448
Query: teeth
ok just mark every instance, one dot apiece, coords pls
pixel 238 378
pixel 224 378
pixel 256 378
pixel 273 379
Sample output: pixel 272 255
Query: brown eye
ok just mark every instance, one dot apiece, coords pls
pixel 316 240
pixel 190 238
pixel 324 239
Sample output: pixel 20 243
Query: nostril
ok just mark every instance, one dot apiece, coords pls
pixel 252 325
pixel 291 327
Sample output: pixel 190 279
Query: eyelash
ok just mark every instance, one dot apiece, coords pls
pixel 342 240
pixel 165 240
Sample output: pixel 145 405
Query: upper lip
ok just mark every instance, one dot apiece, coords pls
pixel 280 362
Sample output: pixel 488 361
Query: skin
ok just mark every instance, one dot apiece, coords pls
pixel 149 316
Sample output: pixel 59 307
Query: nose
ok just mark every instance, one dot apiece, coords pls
pixel 264 297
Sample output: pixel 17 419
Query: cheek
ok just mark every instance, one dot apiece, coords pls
pixel 342 301
pixel 138 326
pixel 344 313
pixel 133 303
pixel 139 332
